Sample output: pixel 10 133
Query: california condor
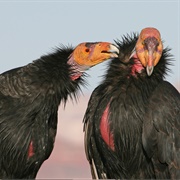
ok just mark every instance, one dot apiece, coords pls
pixel 29 100
pixel 132 122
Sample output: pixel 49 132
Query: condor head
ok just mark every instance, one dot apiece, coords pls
pixel 149 48
pixel 89 54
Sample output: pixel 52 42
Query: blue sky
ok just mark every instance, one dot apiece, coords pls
pixel 29 29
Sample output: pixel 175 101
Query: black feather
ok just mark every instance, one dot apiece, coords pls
pixel 29 100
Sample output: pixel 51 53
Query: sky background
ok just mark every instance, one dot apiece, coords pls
pixel 30 29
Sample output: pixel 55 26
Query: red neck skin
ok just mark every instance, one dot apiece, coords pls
pixel 77 70
pixel 137 66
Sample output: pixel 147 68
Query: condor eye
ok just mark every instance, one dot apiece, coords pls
pixel 87 50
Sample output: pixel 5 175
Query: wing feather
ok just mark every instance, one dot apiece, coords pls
pixel 92 154
pixel 161 129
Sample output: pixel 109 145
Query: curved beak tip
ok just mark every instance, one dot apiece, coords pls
pixel 114 50
pixel 149 70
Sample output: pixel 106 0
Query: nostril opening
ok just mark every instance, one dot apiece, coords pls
pixel 87 50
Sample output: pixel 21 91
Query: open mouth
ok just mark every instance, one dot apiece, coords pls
pixel 113 51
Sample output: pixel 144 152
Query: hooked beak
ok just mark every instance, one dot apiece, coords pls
pixel 113 50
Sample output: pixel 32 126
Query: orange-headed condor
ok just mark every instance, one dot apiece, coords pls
pixel 29 100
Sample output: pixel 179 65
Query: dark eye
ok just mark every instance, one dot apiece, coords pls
pixel 87 50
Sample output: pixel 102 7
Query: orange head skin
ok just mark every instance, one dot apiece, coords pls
pixel 149 48
pixel 89 54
